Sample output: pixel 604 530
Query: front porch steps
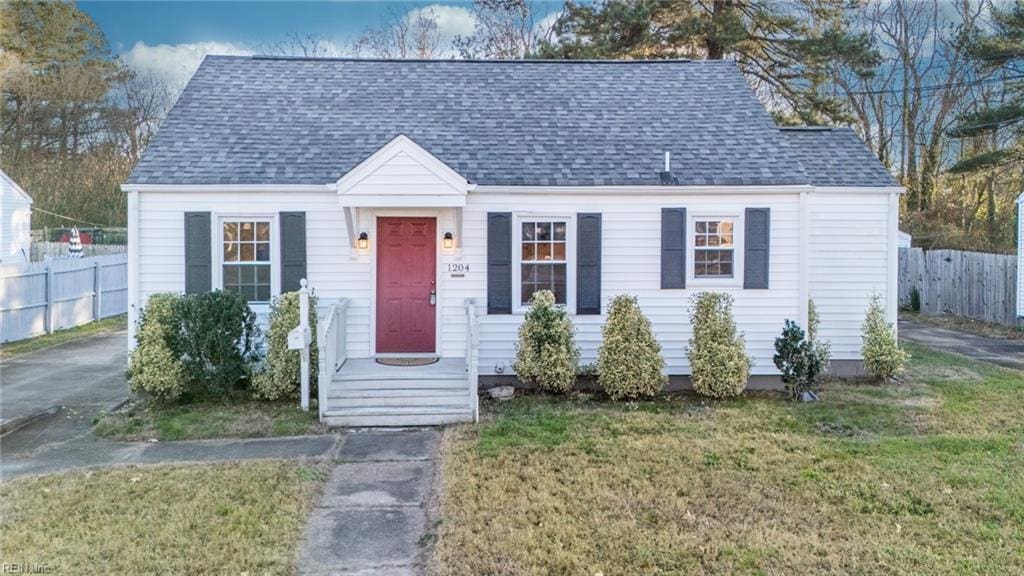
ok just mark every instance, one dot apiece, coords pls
pixel 364 393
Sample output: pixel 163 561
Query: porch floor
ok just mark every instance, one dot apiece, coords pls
pixel 369 368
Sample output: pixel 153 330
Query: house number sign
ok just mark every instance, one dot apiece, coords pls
pixel 458 267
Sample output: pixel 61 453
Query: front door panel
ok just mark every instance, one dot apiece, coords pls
pixel 406 275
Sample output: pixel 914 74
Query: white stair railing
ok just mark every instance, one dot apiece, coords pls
pixel 473 356
pixel 331 349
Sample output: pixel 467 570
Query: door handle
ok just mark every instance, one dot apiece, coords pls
pixel 433 297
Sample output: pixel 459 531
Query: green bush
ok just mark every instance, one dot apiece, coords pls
pixel 915 299
pixel 719 365
pixel 799 360
pixel 210 336
pixel 546 354
pixel 883 357
pixel 629 362
pixel 218 340
pixel 154 367
pixel 280 375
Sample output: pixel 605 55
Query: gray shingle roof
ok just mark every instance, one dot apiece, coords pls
pixel 251 120
pixel 836 157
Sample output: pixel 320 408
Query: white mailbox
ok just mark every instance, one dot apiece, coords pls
pixel 299 338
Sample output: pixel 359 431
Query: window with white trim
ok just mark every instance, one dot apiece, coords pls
pixel 543 264
pixel 246 262
pixel 714 248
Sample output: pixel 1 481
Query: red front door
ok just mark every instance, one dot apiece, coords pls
pixel 406 273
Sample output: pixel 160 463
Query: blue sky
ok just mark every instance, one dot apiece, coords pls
pixel 170 38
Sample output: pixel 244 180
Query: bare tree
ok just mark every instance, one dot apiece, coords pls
pixel 504 29
pixel 411 35
pixel 905 109
pixel 305 45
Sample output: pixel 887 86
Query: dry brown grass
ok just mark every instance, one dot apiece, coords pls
pixel 242 518
pixel 918 479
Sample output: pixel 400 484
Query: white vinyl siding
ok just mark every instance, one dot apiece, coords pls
pixel 847 261
pixel 15 223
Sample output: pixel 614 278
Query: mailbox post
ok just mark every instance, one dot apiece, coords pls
pixel 299 339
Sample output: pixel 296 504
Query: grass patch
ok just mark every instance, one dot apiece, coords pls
pixel 237 418
pixel 242 518
pixel 919 478
pixel 114 323
pixel 968 325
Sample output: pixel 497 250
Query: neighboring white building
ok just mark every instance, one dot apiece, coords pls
pixel 15 221
pixel 1020 256
pixel 408 188
pixel 904 240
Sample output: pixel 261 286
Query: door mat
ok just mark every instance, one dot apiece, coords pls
pixel 406 361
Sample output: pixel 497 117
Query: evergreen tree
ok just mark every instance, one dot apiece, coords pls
pixel 1003 121
pixel 787 48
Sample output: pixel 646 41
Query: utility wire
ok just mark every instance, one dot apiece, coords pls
pixel 80 221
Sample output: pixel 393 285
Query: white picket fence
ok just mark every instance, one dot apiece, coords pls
pixel 969 284
pixel 41 297
pixel 44 250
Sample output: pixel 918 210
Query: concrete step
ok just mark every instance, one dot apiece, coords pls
pixel 395 416
pixel 442 400
pixel 399 383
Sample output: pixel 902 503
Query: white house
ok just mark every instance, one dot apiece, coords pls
pixel 1020 256
pixel 407 189
pixel 15 221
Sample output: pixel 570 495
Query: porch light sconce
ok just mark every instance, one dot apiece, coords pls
pixel 449 241
pixel 364 241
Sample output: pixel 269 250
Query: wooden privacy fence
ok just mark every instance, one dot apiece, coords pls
pixel 41 297
pixel 969 284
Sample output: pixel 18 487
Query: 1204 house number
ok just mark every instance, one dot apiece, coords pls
pixel 458 267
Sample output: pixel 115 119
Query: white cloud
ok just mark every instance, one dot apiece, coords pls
pixel 175 63
pixel 451 21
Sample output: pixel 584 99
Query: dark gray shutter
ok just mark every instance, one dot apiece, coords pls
pixel 198 261
pixel 499 262
pixel 588 263
pixel 673 247
pixel 293 250
pixel 755 254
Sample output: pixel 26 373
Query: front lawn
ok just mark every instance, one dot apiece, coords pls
pixel 922 478
pixel 237 418
pixel 211 519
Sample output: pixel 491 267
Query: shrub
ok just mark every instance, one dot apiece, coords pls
pixel 629 362
pixel 280 375
pixel 546 354
pixel 883 357
pixel 209 336
pixel 218 340
pixel 719 364
pixel 154 367
pixel 915 299
pixel 799 360
pixel 822 349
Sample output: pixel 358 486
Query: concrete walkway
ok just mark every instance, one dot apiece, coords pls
pixel 85 375
pixel 373 513
pixel 27 451
pixel 1009 353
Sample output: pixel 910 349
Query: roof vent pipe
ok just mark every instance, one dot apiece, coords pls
pixel 666 176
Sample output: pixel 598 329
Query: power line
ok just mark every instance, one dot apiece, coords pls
pixel 934 86
pixel 69 218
